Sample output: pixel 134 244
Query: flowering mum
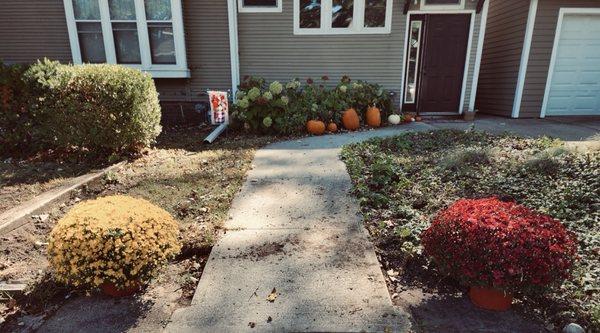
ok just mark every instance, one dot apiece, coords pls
pixel 115 239
pixel 488 242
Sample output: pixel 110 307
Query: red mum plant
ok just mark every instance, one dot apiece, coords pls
pixel 500 245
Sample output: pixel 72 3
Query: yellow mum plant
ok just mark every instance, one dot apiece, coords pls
pixel 116 240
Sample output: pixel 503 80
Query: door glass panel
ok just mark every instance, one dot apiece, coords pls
pixel 162 43
pixel 127 45
pixel 413 62
pixel 375 13
pixel 122 9
pixel 86 9
pixel 342 13
pixel 310 14
pixel 91 43
pixel 158 10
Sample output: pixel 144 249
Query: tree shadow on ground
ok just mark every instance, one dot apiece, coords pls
pixel 455 313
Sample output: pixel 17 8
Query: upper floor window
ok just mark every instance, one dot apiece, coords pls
pixel 342 16
pixel 146 34
pixel 259 6
pixel 442 4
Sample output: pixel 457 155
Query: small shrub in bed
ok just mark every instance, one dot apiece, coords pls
pixel 16 125
pixel 101 108
pixel 115 240
pixel 503 245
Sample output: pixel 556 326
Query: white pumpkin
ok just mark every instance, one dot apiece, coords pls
pixel 394 119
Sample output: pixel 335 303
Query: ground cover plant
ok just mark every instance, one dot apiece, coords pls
pixel 192 181
pixel 403 182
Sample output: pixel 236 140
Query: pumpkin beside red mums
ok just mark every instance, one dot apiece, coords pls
pixel 492 243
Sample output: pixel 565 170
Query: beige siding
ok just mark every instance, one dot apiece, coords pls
pixel 505 34
pixel 207 44
pixel 541 52
pixel 30 30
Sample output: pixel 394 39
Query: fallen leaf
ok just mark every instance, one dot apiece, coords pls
pixel 272 296
pixel 269 319
pixel 252 324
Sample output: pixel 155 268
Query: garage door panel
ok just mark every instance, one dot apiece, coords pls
pixel 575 86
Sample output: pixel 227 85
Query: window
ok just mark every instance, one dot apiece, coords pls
pixel 145 34
pixel 342 16
pixel 413 62
pixel 442 4
pixel 259 6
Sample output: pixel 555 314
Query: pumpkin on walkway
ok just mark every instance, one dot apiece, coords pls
pixel 394 119
pixel 373 116
pixel 315 127
pixel 350 120
pixel 332 127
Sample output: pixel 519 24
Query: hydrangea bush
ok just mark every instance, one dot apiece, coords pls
pixel 285 108
pixel 116 239
pixel 488 242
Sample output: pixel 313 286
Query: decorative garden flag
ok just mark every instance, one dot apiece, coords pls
pixel 219 107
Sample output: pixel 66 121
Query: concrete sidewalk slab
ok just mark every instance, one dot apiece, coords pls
pixel 295 228
pixel 565 128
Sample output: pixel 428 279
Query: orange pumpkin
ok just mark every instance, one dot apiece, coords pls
pixel 350 120
pixel 409 117
pixel 315 127
pixel 373 116
pixel 332 127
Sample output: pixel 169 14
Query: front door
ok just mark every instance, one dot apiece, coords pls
pixel 437 79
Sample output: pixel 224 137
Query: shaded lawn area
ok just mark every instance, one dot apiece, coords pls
pixel 193 181
pixel 402 182
pixel 21 180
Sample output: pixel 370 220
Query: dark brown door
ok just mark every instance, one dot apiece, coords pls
pixel 444 54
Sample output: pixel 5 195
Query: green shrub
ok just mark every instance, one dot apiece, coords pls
pixel 98 109
pixel 263 108
pixel 16 123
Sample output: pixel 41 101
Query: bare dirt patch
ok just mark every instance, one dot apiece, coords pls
pixel 195 182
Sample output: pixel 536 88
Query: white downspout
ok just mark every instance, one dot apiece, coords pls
pixel 233 45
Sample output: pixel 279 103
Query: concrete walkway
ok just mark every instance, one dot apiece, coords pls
pixel 295 229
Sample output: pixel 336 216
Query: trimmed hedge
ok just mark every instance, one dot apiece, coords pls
pixel 104 109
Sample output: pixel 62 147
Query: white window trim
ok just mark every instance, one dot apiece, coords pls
pixel 533 5
pixel 479 55
pixel 178 70
pixel 417 60
pixel 425 6
pixel 561 16
pixel 259 9
pixel 357 27
pixel 472 14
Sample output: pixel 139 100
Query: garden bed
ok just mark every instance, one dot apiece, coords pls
pixel 402 182
pixel 193 181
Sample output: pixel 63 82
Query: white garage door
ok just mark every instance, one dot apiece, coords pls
pixel 575 82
